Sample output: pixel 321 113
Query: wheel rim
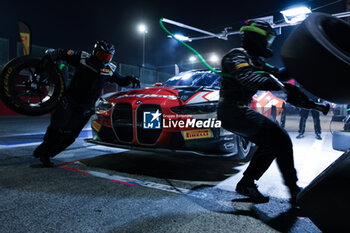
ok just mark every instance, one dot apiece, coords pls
pixel 244 146
pixel 31 89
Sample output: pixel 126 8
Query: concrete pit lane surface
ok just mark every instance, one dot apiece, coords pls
pixel 94 188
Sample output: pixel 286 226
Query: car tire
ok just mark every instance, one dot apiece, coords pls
pixel 10 89
pixel 341 140
pixel 246 149
pixel 316 54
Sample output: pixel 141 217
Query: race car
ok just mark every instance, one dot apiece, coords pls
pixel 178 115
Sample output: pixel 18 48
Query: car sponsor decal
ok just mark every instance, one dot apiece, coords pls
pixel 211 96
pixel 192 97
pixel 172 97
pixel 203 96
pixel 151 119
pixel 96 126
pixel 186 93
pixel 197 134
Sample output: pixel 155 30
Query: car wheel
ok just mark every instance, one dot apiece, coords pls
pixel 28 93
pixel 316 54
pixel 245 149
pixel 227 147
pixel 341 140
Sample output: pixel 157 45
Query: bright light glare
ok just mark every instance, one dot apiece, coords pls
pixel 192 59
pixel 181 37
pixel 297 14
pixel 214 58
pixel 142 28
pixel 187 76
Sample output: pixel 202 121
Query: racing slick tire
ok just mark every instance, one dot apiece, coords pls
pixel 28 93
pixel 341 140
pixel 316 54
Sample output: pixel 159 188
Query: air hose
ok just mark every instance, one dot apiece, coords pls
pixel 311 105
pixel 193 50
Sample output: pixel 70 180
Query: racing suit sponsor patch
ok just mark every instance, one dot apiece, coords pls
pixel 241 65
pixel 105 70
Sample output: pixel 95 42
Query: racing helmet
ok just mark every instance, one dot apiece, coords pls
pixel 257 36
pixel 103 51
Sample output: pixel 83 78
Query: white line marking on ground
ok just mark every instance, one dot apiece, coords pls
pixel 144 183
pixel 312 157
pixel 2 147
pixel 108 149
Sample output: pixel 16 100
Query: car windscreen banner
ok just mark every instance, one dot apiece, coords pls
pixel 25 35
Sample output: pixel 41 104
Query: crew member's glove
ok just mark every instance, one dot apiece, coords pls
pixel 282 74
pixel 299 99
pixel 295 96
pixel 132 79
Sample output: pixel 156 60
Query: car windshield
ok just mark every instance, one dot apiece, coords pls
pixel 195 78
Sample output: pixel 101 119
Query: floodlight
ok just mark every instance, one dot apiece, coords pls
pixel 296 14
pixel 214 58
pixel 181 37
pixel 192 59
pixel 142 28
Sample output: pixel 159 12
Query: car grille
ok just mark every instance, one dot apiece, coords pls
pixel 147 136
pixel 122 122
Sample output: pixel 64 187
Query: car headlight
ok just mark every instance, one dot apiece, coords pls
pixel 200 108
pixel 103 105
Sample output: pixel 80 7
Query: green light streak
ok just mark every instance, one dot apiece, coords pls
pixel 193 50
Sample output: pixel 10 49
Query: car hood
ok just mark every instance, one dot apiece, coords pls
pixel 172 93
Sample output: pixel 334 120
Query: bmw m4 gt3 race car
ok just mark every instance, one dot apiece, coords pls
pixel 178 115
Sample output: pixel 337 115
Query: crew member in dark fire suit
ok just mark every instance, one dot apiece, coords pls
pixel 304 114
pixel 93 71
pixel 250 73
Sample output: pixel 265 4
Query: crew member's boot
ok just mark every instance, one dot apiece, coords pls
pixel 294 190
pixel 41 153
pixel 318 136
pixel 247 187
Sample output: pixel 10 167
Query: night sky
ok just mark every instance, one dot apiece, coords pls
pixel 78 24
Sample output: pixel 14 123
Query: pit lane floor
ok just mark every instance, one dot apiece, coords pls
pixel 99 189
